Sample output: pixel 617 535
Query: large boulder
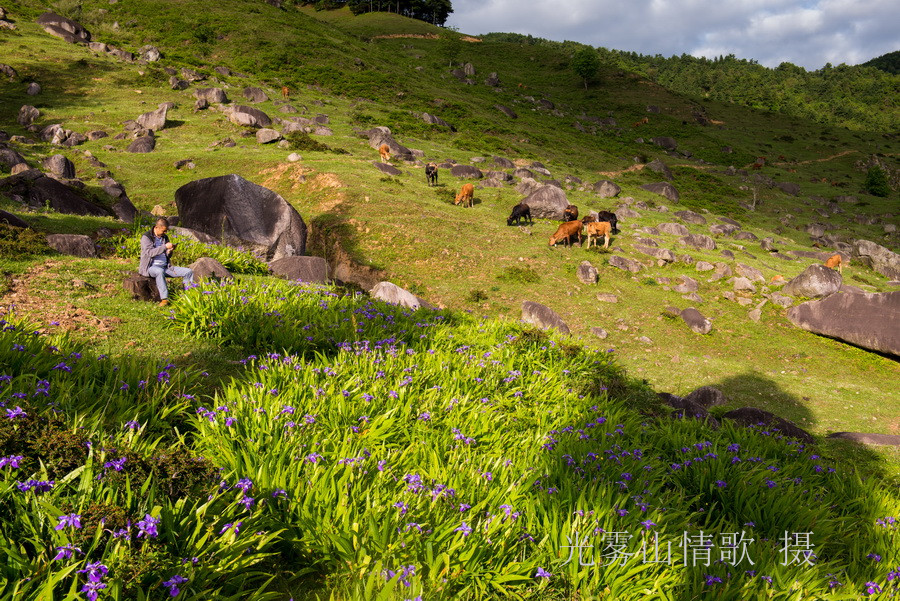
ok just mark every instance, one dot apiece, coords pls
pixel 64 28
pixel 877 257
pixel 673 229
pixel 143 144
pixel 658 166
pixel 249 116
pixel 606 189
pixel 625 263
pixel 866 320
pixel 154 120
pixel 9 158
pixel 691 217
pixel 663 189
pixel 543 317
pixel 301 269
pixel 13 220
pixel 27 115
pixel 815 281
pixel 40 191
pixel 466 171
pixel 242 214
pixel 395 295
pixel 255 95
pixel 753 417
pixel 665 142
pixel 698 241
pixel 547 202
pixel 696 321
pixel 188 233
pixel 60 166
pixel 76 245
pixel 587 273
pixel 868 438
pixel 211 95
pixel 382 135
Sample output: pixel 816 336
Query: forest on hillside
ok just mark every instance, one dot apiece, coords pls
pixel 430 11
pixel 861 97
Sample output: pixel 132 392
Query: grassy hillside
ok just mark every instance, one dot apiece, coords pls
pixel 462 260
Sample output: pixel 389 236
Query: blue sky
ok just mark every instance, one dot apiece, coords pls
pixel 808 33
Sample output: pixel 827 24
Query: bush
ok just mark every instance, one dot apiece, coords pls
pixel 877 182
pixel 16 242
pixel 302 141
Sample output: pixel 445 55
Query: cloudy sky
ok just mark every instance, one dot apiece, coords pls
pixel 808 33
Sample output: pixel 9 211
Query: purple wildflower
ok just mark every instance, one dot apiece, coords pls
pixel 72 520
pixel 542 573
pixel 14 413
pixel 173 583
pixel 647 524
pixel 872 588
pixel 65 552
pixel 147 526
pixel 710 579
pixel 465 529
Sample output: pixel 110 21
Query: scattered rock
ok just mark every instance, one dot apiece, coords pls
pixel 466 171
pixel 387 168
pixel 663 189
pixel 303 269
pixel 255 95
pixel 142 144
pixel 249 116
pixel 33 89
pixel 211 95
pixel 751 273
pixel 547 202
pixel 605 297
pixel 266 135
pixel 8 71
pixel 866 320
pixel 704 266
pixel 76 245
pixel 60 166
pixel 587 273
pixel 606 189
pixel 663 254
pixel 673 229
pixel 294 157
pixel 877 257
pixel 395 295
pixel 751 416
pixel 687 285
pixel 64 28
pixel 789 188
pixel 625 263
pixel 815 281
pixel 506 111
pixel 691 217
pixel 599 332
pixel 698 241
pixel 154 120
pixel 27 115
pixel 206 268
pixel 657 166
pixel 696 321
pixel 744 285
pixel 665 142
pixel 868 438
pixel 191 75
pixel 543 317
pixel 141 287
pixel 706 397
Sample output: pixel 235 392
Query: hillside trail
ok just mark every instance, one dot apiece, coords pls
pixel 640 166
pixel 49 306
pixel 822 160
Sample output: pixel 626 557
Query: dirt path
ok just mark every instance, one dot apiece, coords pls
pixel 823 160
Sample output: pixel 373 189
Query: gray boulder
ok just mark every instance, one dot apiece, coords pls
pixel 64 28
pixel 40 191
pixel 395 295
pixel 866 320
pixel 191 75
pixel 506 111
pixel 751 273
pixel 143 144
pixel 466 171
pixel 249 116
pixel 27 115
pixel 13 220
pixel 877 257
pixel 244 214
pixel 60 166
pixel 211 95
pixel 207 268
pixel 625 263
pixel 691 217
pixel 432 120
pixel 266 135
pixel 696 321
pixel 687 285
pixel 547 202
pixel 868 438
pixel 698 241
pixel 658 166
pixel 661 254
pixel 706 397
pixel 607 189
pixel 154 120
pixel 75 245
pixel 10 158
pixel 543 317
pixel 815 281
pixel 382 135
pixel 255 95
pixel 387 168
pixel 722 229
pixel 673 229
pixel 751 416
pixel 503 163
pixel 587 273
pixel 789 188
pixel 664 189
pixel 665 142
pixel 302 269
pixel 148 53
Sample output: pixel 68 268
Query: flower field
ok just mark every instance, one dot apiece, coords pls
pixel 362 451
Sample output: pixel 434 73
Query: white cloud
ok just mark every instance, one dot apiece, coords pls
pixel 808 33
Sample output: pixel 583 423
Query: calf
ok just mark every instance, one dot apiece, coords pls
pixel 285 92
pixel 431 174
pixel 565 231
pixel 571 213
pixel 595 229
pixel 835 261
pixel 465 196
pixel 520 211
pixel 385 151
pixel 609 218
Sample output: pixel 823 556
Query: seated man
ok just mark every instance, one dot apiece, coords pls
pixel 155 252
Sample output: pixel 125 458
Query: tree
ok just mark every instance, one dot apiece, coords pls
pixel 585 63
pixel 877 182
pixel 451 45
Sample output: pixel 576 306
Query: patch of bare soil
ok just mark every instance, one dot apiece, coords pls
pixel 46 305
pixel 294 173
pixel 326 188
pixel 424 36
pixel 822 160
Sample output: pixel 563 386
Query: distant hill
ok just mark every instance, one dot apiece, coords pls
pixel 889 63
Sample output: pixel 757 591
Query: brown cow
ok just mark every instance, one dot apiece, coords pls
pixel 835 261
pixel 596 229
pixel 566 231
pixel 385 151
pixel 285 92
pixel 466 195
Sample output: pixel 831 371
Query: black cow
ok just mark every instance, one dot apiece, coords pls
pixel 431 172
pixel 520 211
pixel 610 218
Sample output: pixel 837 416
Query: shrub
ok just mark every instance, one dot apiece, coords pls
pixel 877 183
pixel 302 141
pixel 519 275
pixel 16 242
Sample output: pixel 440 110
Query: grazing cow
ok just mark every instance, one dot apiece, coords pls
pixel 595 229
pixel 465 196
pixel 285 92
pixel 835 261
pixel 385 151
pixel 609 218
pixel 520 211
pixel 565 231
pixel 643 121
pixel 431 174
pixel 571 213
